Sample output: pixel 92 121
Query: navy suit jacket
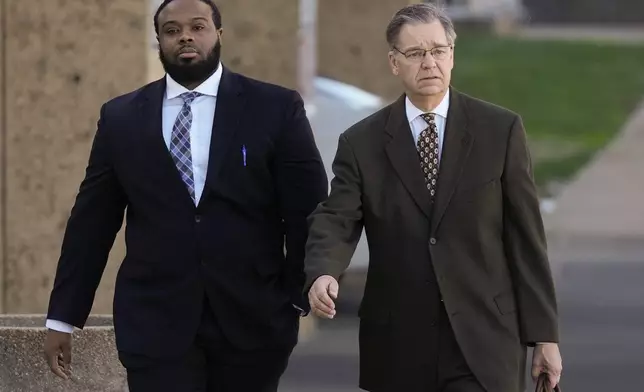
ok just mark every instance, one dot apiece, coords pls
pixel 242 246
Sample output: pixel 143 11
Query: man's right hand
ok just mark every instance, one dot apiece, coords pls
pixel 58 353
pixel 321 295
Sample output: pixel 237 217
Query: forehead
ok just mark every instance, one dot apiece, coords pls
pixel 425 35
pixel 184 10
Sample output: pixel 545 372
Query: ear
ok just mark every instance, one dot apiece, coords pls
pixel 220 33
pixel 393 63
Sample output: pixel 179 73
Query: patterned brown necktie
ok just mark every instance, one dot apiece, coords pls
pixel 428 150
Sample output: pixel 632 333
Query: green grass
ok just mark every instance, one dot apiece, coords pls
pixel 573 96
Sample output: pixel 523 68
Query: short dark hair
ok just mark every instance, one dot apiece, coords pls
pixel 216 15
pixel 419 13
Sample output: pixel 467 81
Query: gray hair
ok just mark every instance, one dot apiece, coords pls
pixel 419 13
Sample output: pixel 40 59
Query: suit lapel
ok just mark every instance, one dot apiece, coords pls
pixel 230 105
pixel 402 153
pixel 456 148
pixel 151 120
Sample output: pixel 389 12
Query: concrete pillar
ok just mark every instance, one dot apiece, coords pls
pixel 260 39
pixel 63 59
pixel 3 166
pixel 154 67
pixel 353 48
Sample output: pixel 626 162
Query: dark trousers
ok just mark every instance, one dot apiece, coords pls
pixel 210 365
pixel 452 372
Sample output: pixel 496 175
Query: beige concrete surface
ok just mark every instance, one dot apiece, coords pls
pixel 308 329
pixel 3 167
pixel 95 365
pixel 352 44
pixel 260 39
pixel 62 63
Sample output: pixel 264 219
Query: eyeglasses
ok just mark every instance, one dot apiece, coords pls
pixel 439 53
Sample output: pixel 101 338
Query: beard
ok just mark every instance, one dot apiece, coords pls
pixel 190 72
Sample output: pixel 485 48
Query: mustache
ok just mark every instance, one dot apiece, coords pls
pixel 187 49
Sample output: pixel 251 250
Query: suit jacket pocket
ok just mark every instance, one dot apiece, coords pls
pixel 505 303
pixel 270 294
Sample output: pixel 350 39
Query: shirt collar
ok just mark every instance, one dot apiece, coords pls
pixel 209 87
pixel 413 112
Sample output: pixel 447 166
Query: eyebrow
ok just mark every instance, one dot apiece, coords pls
pixel 193 20
pixel 435 45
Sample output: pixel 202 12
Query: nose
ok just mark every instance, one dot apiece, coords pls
pixel 185 37
pixel 428 61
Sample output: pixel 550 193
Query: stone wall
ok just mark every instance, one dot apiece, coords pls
pixel 260 38
pixel 95 364
pixel 63 60
pixel 352 43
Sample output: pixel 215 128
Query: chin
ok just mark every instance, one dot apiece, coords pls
pixel 431 90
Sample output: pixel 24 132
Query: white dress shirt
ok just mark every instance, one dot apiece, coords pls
pixel 203 114
pixel 418 125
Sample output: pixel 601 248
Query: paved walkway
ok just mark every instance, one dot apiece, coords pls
pixel 594 33
pixel 601 212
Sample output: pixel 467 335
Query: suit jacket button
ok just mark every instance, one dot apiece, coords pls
pixel 197 218
pixel 432 241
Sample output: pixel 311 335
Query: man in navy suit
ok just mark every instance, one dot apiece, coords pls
pixel 218 173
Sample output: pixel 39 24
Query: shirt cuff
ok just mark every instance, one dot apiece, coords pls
pixel 59 326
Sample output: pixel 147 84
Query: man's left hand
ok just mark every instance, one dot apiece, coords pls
pixel 547 359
